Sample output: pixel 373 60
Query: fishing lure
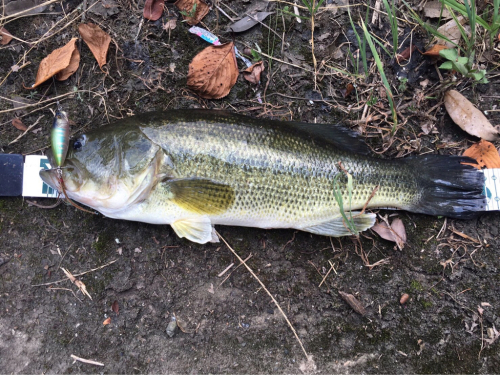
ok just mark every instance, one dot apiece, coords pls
pixel 59 137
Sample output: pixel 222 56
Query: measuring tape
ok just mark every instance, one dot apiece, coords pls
pixel 20 177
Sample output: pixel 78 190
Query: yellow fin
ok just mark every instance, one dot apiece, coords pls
pixel 198 229
pixel 201 196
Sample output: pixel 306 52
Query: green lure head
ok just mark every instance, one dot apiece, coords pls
pixel 59 137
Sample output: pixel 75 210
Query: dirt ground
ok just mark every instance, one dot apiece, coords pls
pixel 228 323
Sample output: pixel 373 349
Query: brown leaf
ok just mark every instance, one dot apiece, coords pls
pixel 107 321
pixel 97 40
pixel 153 9
pixel 74 63
pixel 213 72
pixel 485 154
pixel 19 124
pixel 115 308
pixel 395 233
pixel 451 31
pixel 405 55
pixel 171 24
pixel 468 117
pixel 187 6
pixel 57 61
pixel 434 51
pixel 347 91
pixel 252 73
pixel 353 302
pixel 436 9
pixel 5 36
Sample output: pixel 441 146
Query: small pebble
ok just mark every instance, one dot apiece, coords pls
pixel 172 327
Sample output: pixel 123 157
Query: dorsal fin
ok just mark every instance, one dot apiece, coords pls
pixel 343 138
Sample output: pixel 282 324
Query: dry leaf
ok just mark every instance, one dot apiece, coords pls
pixel 252 73
pixel 153 9
pixel 348 90
pixel 434 51
pixel 405 55
pixel 468 117
pixel 23 5
pixel 171 24
pixel 451 30
pixel 5 36
pixel 248 22
pixel 187 6
pixel 54 63
pixel 97 40
pixel 395 233
pixel 19 124
pixel 115 308
pixel 74 63
pixel 214 71
pixel 485 154
pixel 353 302
pixel 436 9
pixel 107 321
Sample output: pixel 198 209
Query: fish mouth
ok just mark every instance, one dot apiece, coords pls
pixel 49 176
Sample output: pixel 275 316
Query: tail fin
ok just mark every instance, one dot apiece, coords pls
pixel 447 187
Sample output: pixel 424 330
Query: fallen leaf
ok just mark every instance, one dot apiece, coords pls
pixel 74 63
pixel 171 24
pixel 248 22
pixel 192 11
pixel 153 9
pixel 252 73
pixel 347 91
pixel 451 31
pixel 107 321
pixel 353 302
pixel 395 233
pixel 468 117
pixel 54 63
pixel 405 55
pixel 115 307
pixel 97 40
pixel 18 124
pixel 5 36
pixel 485 154
pixel 434 50
pixel 22 6
pixel 436 9
pixel 213 71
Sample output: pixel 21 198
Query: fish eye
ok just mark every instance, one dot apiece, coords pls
pixel 79 143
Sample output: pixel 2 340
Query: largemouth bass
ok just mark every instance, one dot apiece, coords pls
pixel 196 168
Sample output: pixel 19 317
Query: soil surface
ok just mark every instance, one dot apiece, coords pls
pixel 174 310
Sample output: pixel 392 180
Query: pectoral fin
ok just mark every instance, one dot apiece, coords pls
pixel 338 228
pixel 199 229
pixel 201 196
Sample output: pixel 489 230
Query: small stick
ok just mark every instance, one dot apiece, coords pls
pixel 268 293
pixel 89 361
pixel 225 270
pixel 238 266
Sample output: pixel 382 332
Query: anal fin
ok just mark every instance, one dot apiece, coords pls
pixel 197 229
pixel 338 228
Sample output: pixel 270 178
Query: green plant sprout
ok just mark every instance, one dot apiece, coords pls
pixel 462 64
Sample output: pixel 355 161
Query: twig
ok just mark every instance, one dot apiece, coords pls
pixel 78 274
pixel 89 361
pixel 268 293
pixel 27 10
pixel 225 270
pixel 27 130
pixel 238 266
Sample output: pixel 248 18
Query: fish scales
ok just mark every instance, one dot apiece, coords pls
pixel 196 168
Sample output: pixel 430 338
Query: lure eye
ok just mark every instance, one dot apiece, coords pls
pixel 79 143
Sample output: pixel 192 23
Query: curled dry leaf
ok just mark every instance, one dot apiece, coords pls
pixel 248 22
pixel 192 11
pixel 97 40
pixel 74 63
pixel 485 154
pixel 213 72
pixel 436 9
pixel 452 32
pixel 171 24
pixel 468 117
pixel 153 9
pixel 252 73
pixel 56 62
pixel 107 321
pixel 115 307
pixel 18 124
pixel 5 36
pixel 353 302
pixel 434 50
pixel 395 233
